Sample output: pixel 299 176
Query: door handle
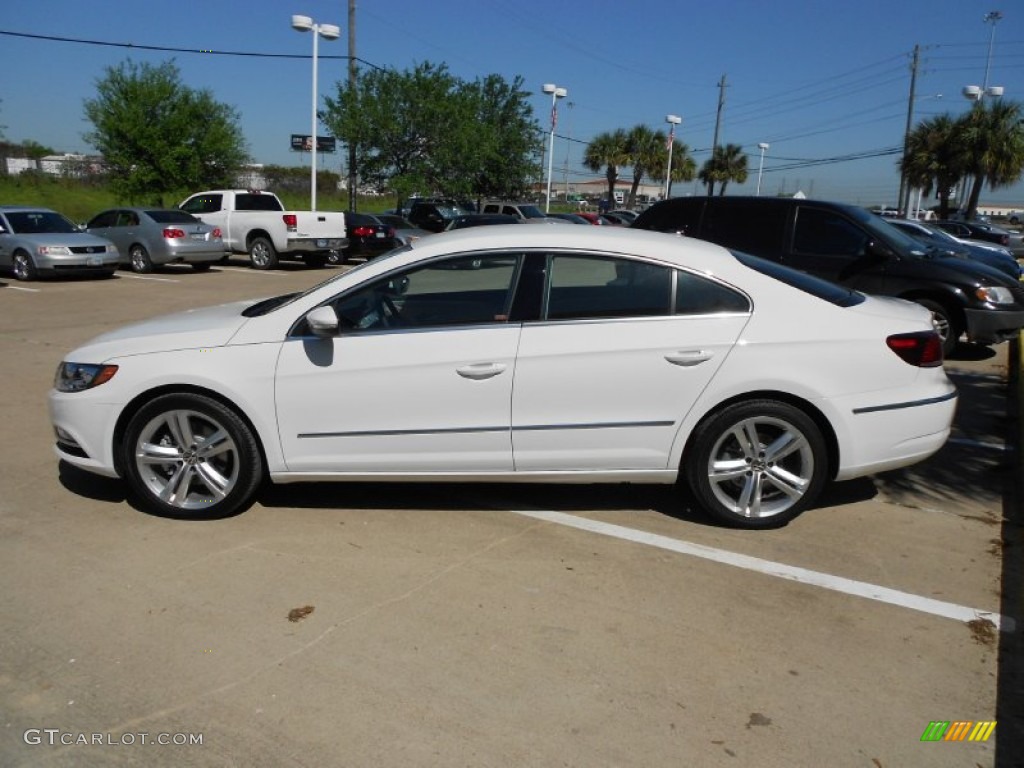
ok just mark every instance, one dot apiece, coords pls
pixel 689 357
pixel 480 370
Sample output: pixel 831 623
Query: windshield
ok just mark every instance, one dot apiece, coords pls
pixel 172 217
pixel 276 302
pixel 884 231
pixel 531 212
pixel 39 223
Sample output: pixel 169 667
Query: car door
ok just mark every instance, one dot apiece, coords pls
pixel 830 245
pixel 418 379
pixel 621 353
pixel 105 225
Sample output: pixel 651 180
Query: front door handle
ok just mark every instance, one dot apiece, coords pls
pixel 481 370
pixel 689 357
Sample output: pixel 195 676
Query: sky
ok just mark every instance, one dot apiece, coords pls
pixel 820 82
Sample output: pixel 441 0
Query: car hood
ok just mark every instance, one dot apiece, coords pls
pixel 207 327
pixel 68 239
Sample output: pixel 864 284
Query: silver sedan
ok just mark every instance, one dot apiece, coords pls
pixel 153 237
pixel 34 241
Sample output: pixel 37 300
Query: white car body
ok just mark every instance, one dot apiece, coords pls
pixel 578 400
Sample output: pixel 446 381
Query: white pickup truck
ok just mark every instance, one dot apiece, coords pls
pixel 255 222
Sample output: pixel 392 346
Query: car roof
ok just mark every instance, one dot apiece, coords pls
pixel 20 208
pixel 671 248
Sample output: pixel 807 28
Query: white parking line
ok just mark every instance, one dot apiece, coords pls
pixel 148 277
pixel 248 271
pixel 22 288
pixel 780 570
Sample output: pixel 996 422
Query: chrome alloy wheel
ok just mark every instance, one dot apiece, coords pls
pixel 760 467
pixel 187 459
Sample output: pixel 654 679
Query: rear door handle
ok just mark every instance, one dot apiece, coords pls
pixel 689 357
pixel 480 370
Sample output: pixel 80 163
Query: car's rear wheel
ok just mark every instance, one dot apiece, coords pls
pixel 188 455
pixel 138 258
pixel 757 464
pixel 337 256
pixel 262 253
pixel 946 324
pixel 24 268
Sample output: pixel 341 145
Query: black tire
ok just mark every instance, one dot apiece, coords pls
pixel 946 323
pixel 202 266
pixel 315 260
pixel 23 266
pixel 337 256
pixel 262 254
pixel 733 477
pixel 198 478
pixel 138 259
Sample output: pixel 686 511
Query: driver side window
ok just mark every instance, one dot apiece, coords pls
pixel 466 290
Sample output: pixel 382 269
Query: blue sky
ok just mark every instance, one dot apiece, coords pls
pixel 816 80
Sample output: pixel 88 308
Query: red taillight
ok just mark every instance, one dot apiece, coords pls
pixel 291 221
pixel 216 234
pixel 923 349
pixel 174 234
pixel 363 231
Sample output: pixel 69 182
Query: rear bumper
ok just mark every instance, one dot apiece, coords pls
pixel 895 432
pixel 316 244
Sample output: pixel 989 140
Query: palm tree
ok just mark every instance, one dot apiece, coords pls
pixel 608 150
pixel 935 159
pixel 993 137
pixel 728 163
pixel 647 153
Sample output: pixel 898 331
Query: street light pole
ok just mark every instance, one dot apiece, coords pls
pixel 329 32
pixel 760 168
pixel 556 94
pixel 673 121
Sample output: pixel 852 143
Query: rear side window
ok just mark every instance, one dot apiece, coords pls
pixel 696 295
pixel 250 201
pixel 105 219
pixel 748 226
pixel 823 289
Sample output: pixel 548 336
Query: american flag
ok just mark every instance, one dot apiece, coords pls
pixel 671 138
pixel 554 117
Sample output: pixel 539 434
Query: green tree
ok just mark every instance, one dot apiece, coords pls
pixel 993 139
pixel 727 163
pixel 935 158
pixel 684 167
pixel 647 153
pixel 609 151
pixel 426 130
pixel 159 137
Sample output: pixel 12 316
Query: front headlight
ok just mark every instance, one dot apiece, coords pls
pixel 75 377
pixel 53 250
pixel 994 294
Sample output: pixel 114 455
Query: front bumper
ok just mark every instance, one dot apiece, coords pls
pixel 987 326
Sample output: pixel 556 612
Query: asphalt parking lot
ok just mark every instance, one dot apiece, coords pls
pixel 494 625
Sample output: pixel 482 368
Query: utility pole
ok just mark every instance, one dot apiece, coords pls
pixel 718 122
pixel 903 201
pixel 352 88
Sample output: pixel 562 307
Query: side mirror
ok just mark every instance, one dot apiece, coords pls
pixel 323 322
pixel 877 250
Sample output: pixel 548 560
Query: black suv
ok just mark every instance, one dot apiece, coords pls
pixel 434 216
pixel 855 248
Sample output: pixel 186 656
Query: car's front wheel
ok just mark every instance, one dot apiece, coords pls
pixel 945 323
pixel 188 455
pixel 757 464
pixel 24 267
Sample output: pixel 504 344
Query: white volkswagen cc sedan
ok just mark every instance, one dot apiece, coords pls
pixel 547 354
